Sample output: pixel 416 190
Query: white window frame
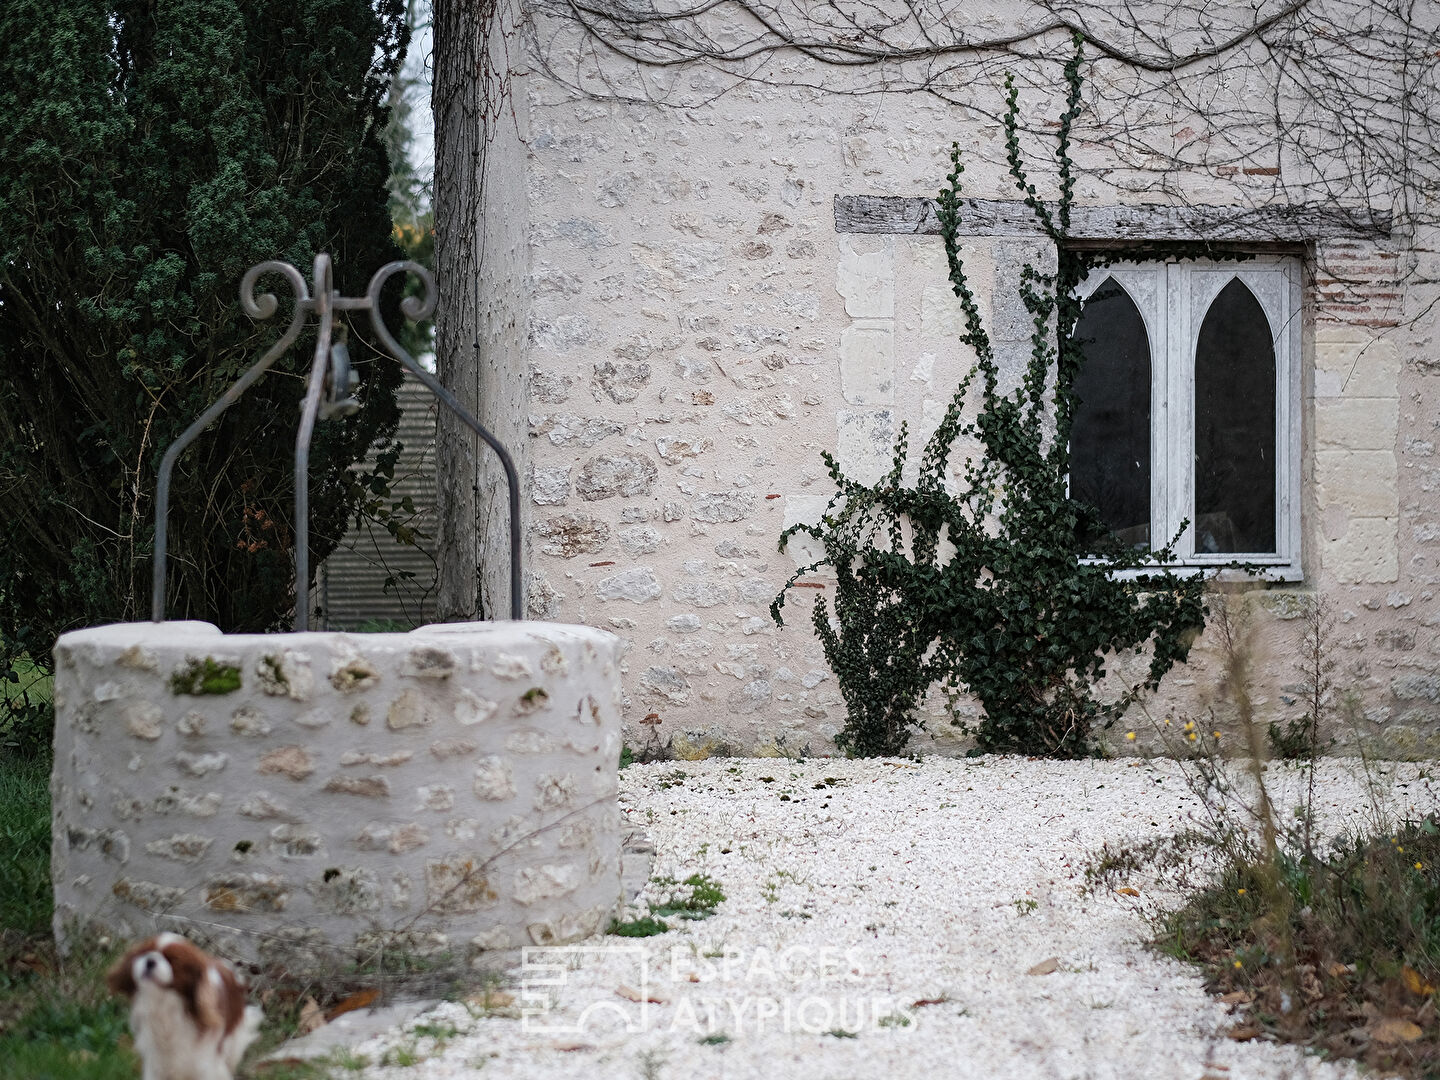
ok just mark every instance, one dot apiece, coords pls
pixel 1173 298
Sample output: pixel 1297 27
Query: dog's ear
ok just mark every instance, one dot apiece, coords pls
pixel 210 999
pixel 196 981
pixel 121 976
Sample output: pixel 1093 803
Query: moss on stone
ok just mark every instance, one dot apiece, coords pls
pixel 207 676
pixel 272 674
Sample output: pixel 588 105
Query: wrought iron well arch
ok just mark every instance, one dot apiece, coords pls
pixel 330 375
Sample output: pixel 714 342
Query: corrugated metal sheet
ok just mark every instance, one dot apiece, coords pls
pixel 371 581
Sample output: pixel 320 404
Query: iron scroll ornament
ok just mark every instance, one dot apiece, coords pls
pixel 332 379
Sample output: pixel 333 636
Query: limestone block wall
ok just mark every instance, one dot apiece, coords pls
pixel 295 797
pixel 700 329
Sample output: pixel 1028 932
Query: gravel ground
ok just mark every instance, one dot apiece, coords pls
pixel 885 924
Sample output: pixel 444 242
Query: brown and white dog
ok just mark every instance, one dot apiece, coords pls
pixel 187 1010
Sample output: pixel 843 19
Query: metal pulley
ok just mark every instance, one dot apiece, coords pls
pixel 341 382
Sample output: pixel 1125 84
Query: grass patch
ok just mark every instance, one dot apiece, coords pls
pixel 58 1021
pixel 25 900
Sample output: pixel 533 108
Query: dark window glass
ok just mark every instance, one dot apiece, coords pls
pixel 1110 442
pixel 1235 426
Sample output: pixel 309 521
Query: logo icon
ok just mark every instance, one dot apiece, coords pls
pixel 555 998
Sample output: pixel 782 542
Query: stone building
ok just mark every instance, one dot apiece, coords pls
pixel 697 275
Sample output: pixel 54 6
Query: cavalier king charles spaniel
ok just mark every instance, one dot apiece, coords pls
pixel 187 1010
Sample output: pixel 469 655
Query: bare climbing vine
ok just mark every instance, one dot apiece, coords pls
pixel 1329 102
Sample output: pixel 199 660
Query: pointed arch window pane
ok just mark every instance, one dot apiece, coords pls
pixel 1235 426
pixel 1110 440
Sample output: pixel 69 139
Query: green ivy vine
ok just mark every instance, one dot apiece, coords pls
pixel 979 586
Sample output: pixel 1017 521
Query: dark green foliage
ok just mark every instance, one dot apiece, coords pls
pixel 151 153
pixel 1013 616
pixel 205 676
pixel 25 902
pixel 1297 739
pixel 27 709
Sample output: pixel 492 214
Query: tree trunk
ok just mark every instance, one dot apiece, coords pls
pixel 481 263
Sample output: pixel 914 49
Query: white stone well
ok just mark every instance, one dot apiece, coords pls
pixel 293 797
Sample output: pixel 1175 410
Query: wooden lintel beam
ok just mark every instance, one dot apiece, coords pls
pixel 1156 222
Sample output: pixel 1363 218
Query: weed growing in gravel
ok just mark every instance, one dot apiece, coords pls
pixel 348 1060
pixel 1336 947
pixel 696 897
pixel 402 1057
pixel 643 926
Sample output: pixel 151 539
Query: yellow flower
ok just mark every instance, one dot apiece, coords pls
pixel 1401 850
pixel 1191 736
pixel 1216 734
pixel 1130 735
pixel 1239 892
pixel 1419 866
pixel 1189 724
pixel 1239 964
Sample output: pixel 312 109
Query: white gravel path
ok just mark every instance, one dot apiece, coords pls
pixel 849 903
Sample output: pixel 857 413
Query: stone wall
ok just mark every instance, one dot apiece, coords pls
pixel 302 796
pixel 700 331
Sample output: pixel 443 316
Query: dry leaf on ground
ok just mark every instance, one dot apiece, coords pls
pixel 1045 967
pixel 1237 997
pixel 311 1017
pixel 629 993
pixel 361 999
pixel 1414 982
pixel 1127 890
pixel 1244 1032
pixel 1393 1029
